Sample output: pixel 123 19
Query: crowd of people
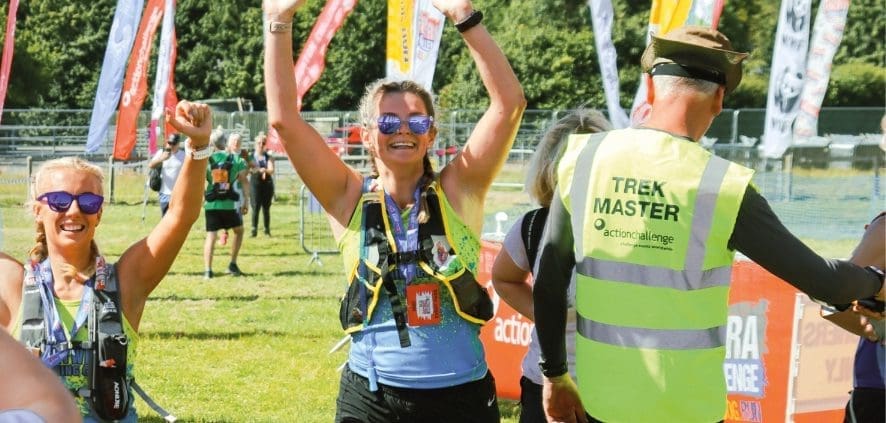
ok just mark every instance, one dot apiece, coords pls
pixel 625 330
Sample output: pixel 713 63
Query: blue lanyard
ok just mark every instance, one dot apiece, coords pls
pixel 59 345
pixel 406 238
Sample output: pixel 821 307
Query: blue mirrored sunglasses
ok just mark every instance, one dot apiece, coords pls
pixel 418 124
pixel 60 201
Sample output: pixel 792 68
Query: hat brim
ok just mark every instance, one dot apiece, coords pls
pixel 663 50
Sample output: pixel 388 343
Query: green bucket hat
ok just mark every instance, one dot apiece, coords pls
pixel 699 52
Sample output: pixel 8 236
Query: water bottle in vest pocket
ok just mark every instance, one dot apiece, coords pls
pixel 109 388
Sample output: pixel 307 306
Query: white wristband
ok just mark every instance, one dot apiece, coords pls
pixel 200 154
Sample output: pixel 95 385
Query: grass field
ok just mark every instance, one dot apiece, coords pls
pixel 249 349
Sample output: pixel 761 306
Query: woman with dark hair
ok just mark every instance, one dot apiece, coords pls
pixel 261 179
pixel 408 234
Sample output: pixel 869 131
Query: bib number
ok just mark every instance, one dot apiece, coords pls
pixel 423 304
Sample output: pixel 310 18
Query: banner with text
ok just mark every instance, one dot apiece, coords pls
pixel 763 327
pixel 163 80
pixel 312 60
pixel 135 85
pixel 826 36
pixel 786 76
pixel 601 21
pixel 8 46
pixel 413 40
pixel 110 81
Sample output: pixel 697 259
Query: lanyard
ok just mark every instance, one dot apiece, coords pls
pixel 58 341
pixel 406 238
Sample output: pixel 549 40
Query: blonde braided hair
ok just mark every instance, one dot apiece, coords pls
pixel 40 250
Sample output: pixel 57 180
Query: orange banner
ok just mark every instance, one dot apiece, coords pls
pixel 506 337
pixel 760 337
pixel 135 85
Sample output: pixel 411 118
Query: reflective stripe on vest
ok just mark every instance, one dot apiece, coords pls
pixel 651 215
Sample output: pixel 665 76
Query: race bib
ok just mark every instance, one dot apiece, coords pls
pixel 423 304
pixel 220 178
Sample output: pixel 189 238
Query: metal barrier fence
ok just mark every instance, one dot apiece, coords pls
pixel 47 133
pixel 314 234
pixel 846 188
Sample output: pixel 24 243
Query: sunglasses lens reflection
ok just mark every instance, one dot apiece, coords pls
pixel 389 124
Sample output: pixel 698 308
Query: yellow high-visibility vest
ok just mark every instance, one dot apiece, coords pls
pixel 652 214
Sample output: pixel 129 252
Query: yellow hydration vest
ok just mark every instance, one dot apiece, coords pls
pixel 652 214
pixel 437 257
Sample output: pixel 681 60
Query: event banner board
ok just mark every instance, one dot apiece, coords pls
pixel 761 330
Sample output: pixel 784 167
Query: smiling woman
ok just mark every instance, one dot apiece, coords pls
pixel 408 234
pixel 75 310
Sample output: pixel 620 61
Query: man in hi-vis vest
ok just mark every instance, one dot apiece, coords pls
pixel 651 220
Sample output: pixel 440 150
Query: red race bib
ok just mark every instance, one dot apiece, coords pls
pixel 423 304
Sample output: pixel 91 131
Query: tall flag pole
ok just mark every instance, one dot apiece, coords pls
pixel 135 85
pixel 165 66
pixel 786 76
pixel 826 36
pixel 601 21
pixel 8 46
pixel 415 28
pixel 110 81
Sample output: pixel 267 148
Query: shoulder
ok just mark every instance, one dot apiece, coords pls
pixel 11 270
pixel 11 278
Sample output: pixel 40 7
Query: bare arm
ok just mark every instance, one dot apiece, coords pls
pixel 244 185
pixel 158 159
pixel 145 263
pixel 29 385
pixel 270 169
pixel 468 177
pixel 871 251
pixel 336 186
pixel 11 279
pixel 509 279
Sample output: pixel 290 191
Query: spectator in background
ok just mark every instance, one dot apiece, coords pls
pixel 517 257
pixel 224 208
pixel 235 147
pixel 867 402
pixel 171 157
pixel 261 179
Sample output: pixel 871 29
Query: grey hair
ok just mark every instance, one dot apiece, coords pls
pixel 218 139
pixel 666 85
pixel 541 174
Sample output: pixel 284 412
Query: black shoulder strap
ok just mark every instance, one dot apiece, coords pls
pixel 531 230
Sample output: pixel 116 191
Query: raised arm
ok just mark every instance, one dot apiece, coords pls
pixel 472 171
pixel 145 263
pixel 318 167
